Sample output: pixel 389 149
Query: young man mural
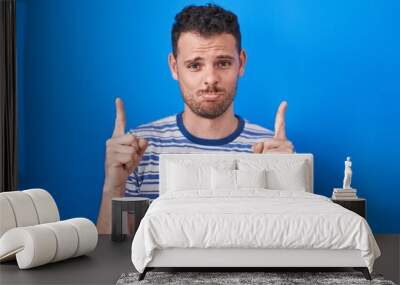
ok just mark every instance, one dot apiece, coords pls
pixel 207 60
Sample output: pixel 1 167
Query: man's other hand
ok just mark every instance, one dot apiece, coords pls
pixel 123 153
pixel 279 143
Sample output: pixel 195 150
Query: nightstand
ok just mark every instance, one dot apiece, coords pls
pixel 133 205
pixel 356 205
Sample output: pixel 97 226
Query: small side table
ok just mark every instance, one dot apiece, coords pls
pixel 134 205
pixel 358 205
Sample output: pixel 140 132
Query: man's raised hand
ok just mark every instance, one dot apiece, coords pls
pixel 120 118
pixel 123 153
pixel 279 143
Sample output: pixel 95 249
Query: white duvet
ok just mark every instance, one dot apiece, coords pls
pixel 250 219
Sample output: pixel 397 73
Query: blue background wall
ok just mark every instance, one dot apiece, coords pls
pixel 336 62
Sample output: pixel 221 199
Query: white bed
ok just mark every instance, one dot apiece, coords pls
pixel 201 219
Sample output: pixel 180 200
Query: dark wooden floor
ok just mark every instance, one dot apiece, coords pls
pixel 110 260
pixel 389 262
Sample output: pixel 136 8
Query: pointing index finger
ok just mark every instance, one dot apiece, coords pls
pixel 120 118
pixel 280 124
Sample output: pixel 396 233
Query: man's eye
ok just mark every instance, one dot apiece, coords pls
pixel 224 64
pixel 193 66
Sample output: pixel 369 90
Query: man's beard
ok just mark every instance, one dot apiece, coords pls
pixel 210 110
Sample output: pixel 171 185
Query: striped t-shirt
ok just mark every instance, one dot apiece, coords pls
pixel 169 135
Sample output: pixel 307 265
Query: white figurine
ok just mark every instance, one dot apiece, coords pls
pixel 347 174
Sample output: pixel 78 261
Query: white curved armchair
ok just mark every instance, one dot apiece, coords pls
pixel 31 232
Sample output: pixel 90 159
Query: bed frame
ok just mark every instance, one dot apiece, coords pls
pixel 237 259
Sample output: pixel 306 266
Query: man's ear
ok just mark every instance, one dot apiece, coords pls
pixel 242 61
pixel 173 65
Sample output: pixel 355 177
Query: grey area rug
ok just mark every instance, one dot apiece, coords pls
pixel 269 278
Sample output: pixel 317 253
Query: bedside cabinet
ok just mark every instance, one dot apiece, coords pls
pixel 356 205
pixel 133 205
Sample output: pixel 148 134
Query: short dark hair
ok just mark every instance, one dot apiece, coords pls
pixel 207 20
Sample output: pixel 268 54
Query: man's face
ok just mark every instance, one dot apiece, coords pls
pixel 207 70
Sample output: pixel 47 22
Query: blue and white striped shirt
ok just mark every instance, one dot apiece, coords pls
pixel 169 135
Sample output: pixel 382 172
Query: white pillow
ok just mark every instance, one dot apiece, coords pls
pixel 181 177
pixel 237 179
pixel 288 179
pixel 251 178
pixel 223 179
pixel 188 175
pixel 280 174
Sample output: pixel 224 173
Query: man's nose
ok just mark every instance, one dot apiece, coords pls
pixel 211 77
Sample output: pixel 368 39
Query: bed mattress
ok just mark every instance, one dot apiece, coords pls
pixel 250 219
